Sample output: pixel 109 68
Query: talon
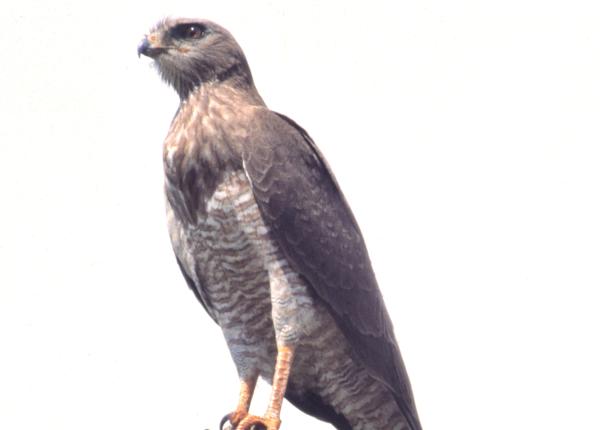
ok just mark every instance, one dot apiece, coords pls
pixel 254 422
pixel 234 418
pixel 224 420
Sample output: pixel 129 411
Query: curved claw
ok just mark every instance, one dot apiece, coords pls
pixel 252 421
pixel 234 418
pixel 224 420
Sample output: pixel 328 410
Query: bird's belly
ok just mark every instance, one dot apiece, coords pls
pixel 248 286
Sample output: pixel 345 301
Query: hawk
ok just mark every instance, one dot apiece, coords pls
pixel 268 244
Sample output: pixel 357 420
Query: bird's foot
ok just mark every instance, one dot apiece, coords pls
pixel 233 418
pixel 258 423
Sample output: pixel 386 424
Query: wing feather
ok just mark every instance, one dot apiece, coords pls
pixel 311 221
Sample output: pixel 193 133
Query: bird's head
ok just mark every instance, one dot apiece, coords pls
pixel 191 52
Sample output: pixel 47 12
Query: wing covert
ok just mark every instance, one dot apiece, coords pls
pixel 312 223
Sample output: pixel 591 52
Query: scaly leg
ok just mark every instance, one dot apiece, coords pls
pixel 271 420
pixel 247 386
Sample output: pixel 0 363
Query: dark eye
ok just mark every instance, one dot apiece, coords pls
pixel 194 32
pixel 189 31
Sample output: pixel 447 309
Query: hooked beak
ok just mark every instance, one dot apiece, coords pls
pixel 147 48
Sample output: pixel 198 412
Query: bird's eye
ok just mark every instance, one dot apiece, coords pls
pixel 189 31
pixel 193 32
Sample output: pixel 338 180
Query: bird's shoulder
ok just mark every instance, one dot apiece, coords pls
pixel 299 196
pixel 277 141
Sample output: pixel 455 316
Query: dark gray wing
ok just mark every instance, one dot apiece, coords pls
pixel 314 226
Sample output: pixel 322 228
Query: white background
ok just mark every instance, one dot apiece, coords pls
pixel 465 135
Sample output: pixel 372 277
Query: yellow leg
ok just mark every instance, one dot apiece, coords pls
pixel 247 386
pixel 271 420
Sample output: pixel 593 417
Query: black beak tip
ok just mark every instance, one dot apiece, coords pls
pixel 143 47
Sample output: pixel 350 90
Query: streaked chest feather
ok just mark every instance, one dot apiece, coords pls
pixel 245 278
pixel 225 245
pixel 201 146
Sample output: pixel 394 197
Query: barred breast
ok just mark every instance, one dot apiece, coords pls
pixel 259 300
pixel 222 252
